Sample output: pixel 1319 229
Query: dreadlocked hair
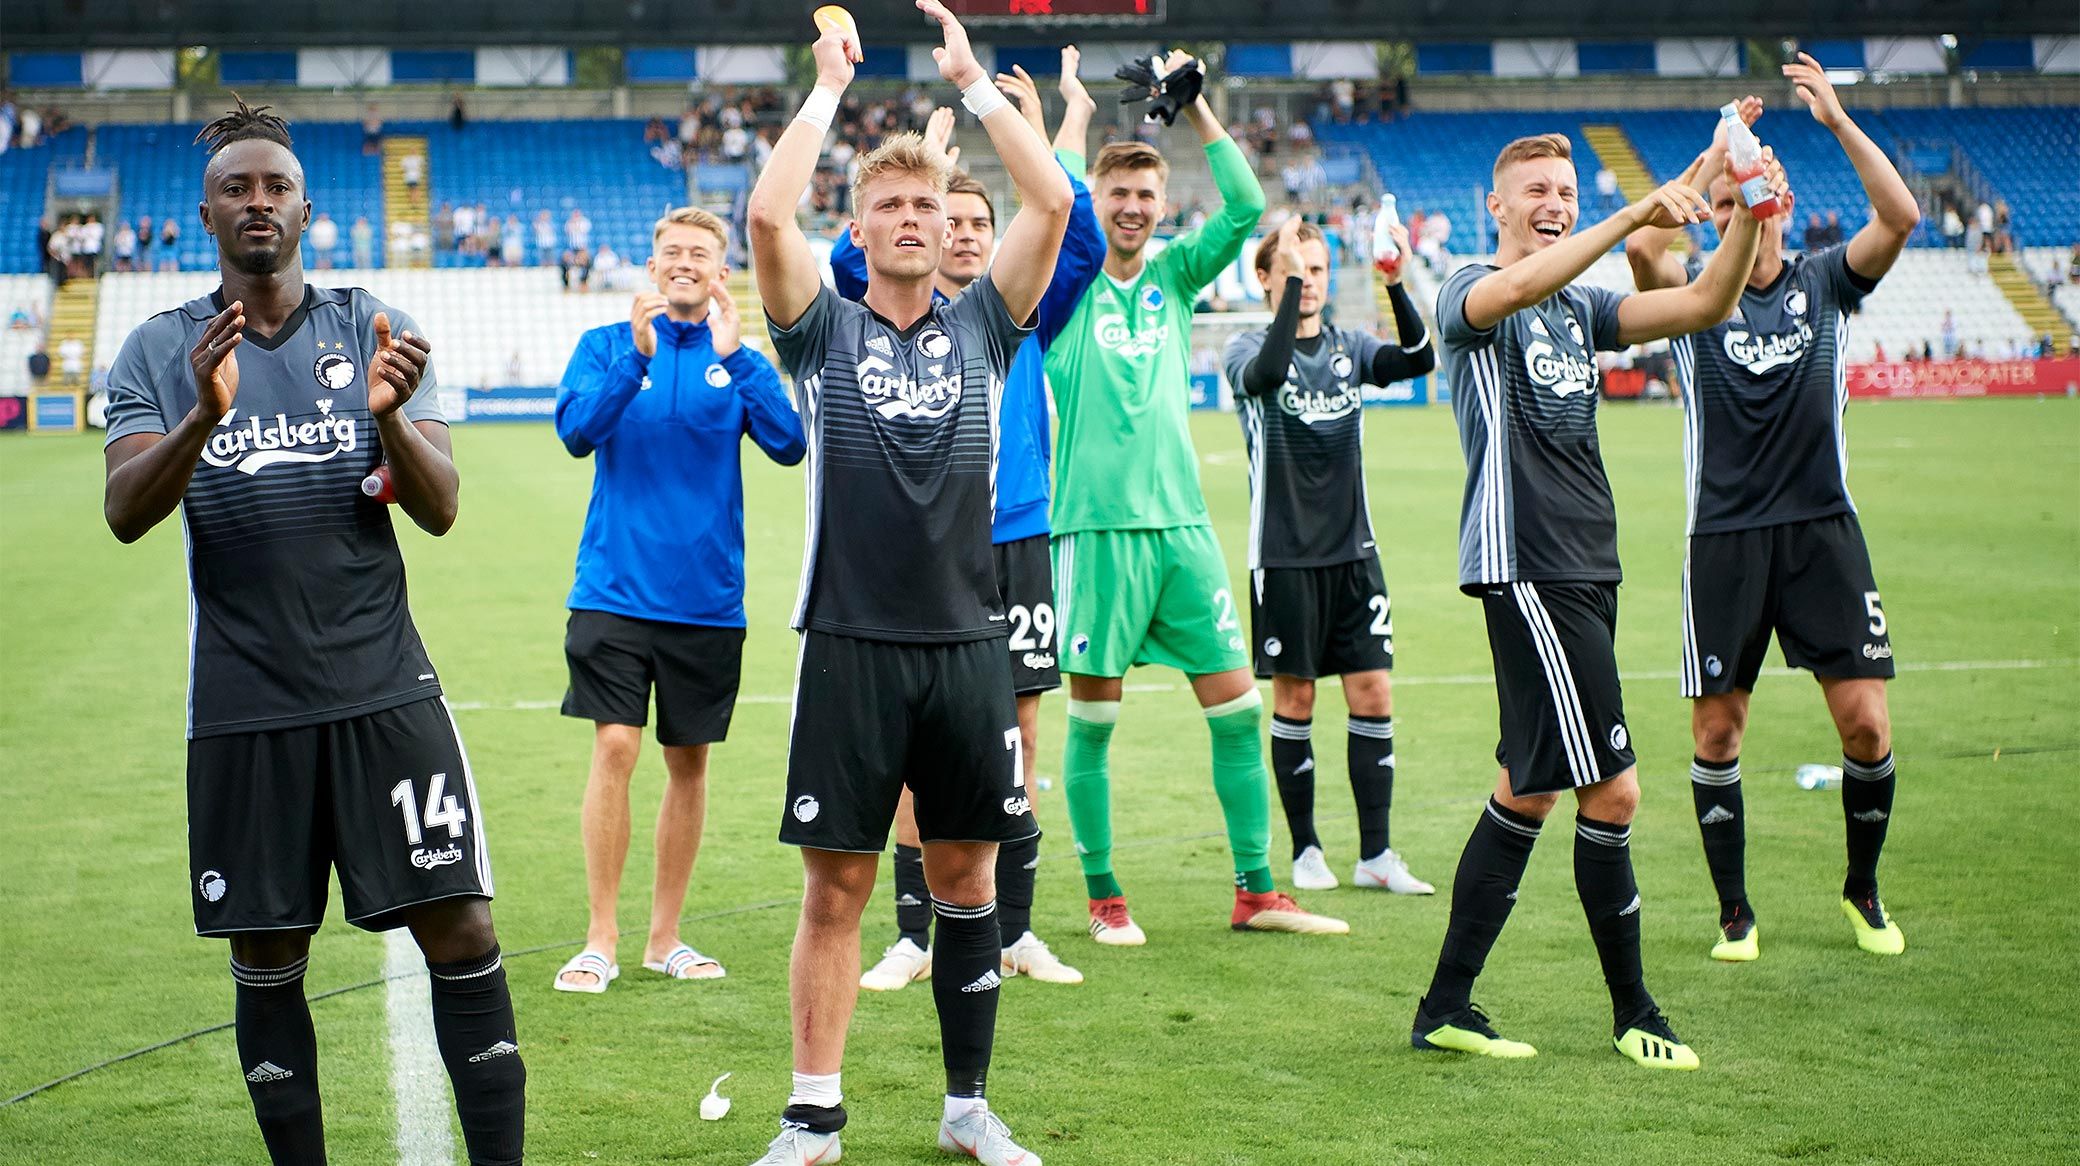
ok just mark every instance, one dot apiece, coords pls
pixel 241 124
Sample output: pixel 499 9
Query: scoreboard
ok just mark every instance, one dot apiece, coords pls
pixel 1056 11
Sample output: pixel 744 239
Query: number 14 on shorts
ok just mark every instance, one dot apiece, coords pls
pixel 443 809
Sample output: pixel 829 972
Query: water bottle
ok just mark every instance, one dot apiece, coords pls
pixel 1386 254
pixel 1819 777
pixel 377 485
pixel 1744 162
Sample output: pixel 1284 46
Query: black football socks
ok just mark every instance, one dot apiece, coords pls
pixel 1722 820
pixel 1867 788
pixel 965 980
pixel 278 1050
pixel 1371 755
pixel 1610 898
pixel 1018 867
pixel 913 900
pixel 1483 891
pixel 473 1025
pixel 1292 764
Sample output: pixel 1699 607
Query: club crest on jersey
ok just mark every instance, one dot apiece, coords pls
pixel 1340 364
pixel 1563 372
pixel 718 376
pixel 1770 350
pixel 254 445
pixel 334 370
pixel 1151 298
pixel 934 343
pixel 1795 303
pixel 1574 329
pixel 898 395
pixel 1111 331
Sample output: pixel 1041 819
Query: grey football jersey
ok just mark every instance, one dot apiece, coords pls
pixel 1763 398
pixel 902 465
pixel 298 611
pixel 1537 505
pixel 1306 443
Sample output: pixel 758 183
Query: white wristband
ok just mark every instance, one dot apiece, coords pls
pixel 819 108
pixel 983 97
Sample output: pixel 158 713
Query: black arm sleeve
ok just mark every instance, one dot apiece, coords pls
pixel 1414 357
pixel 1268 370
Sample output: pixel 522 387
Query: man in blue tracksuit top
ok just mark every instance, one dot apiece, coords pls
pixel 662 404
pixel 1019 529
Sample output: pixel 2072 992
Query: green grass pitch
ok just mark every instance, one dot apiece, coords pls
pixel 1205 1046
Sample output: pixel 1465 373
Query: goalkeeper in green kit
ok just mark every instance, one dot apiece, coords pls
pixel 1139 575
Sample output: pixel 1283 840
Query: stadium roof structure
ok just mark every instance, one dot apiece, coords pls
pixel 75 24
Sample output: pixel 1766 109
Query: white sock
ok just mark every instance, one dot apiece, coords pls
pixel 958 1107
pixel 820 1089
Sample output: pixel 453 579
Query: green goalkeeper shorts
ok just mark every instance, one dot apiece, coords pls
pixel 1128 597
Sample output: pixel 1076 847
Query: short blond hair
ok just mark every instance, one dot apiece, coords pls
pixel 1526 149
pixel 1131 156
pixel 901 154
pixel 692 216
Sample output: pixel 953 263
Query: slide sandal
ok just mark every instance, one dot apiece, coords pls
pixel 684 963
pixel 604 972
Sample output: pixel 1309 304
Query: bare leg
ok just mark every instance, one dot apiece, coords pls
pixel 604 823
pixel 823 973
pixel 680 819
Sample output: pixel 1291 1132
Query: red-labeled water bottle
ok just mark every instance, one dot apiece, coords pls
pixel 1386 254
pixel 377 485
pixel 1744 162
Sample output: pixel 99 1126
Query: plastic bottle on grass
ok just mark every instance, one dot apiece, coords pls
pixel 1386 255
pixel 1819 777
pixel 1744 161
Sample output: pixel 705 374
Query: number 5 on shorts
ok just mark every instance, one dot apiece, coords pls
pixel 1877 613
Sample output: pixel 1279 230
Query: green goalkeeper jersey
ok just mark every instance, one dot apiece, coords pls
pixel 1121 376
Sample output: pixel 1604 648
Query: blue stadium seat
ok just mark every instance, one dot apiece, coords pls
pixel 23 174
pixel 2026 152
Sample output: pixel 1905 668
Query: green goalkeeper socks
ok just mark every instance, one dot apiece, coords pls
pixel 1087 783
pixel 1242 786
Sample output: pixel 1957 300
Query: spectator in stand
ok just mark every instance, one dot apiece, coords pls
pixel 72 360
pixel 574 268
pixel 39 366
pixel 2073 346
pixel 1976 241
pixel 322 240
pixel 1949 335
pixel 1878 352
pixel 1606 189
pixel 1928 352
pixel 544 236
pixel 371 131
pixel 512 243
pixel 666 152
pixel 1834 227
pixel 144 242
pixel 689 131
pixel 458 114
pixel 736 143
pixel 1953 227
pixel 444 228
pixel 464 222
pixel 2073 265
pixel 92 235
pixel 362 237
pixel 1437 239
pixel 1343 94
pixel 1816 232
pixel 604 266
pixel 577 231
pixel 413 166
pixel 57 252
pixel 170 245
pixel 125 246
pixel 31 128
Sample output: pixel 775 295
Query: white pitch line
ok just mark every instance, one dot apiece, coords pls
pixel 1463 678
pixel 418 1081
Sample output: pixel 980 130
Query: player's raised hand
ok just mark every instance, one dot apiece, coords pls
pixel 834 52
pixel 1072 89
pixel 1286 262
pixel 396 368
pixel 648 307
pixel 1021 88
pixel 1815 90
pixel 725 325
pixel 1400 235
pixel 956 58
pixel 938 136
pixel 214 362
pixel 1674 205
